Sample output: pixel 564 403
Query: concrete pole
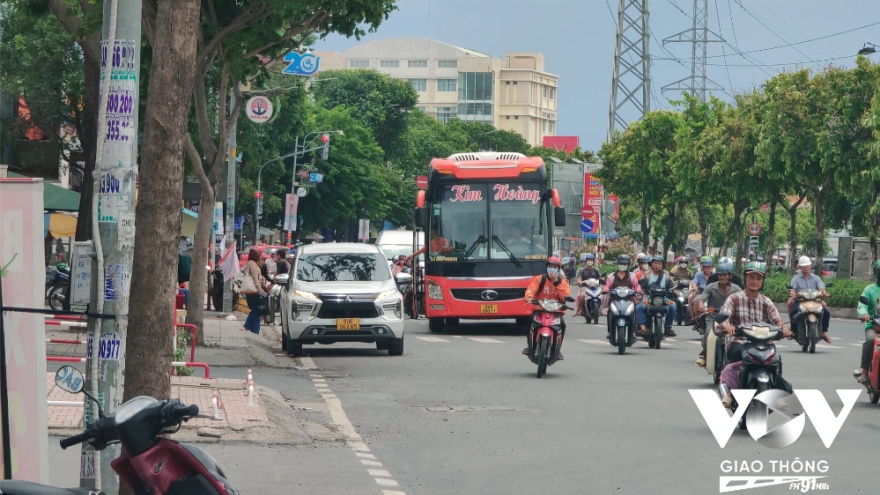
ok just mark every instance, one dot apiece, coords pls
pixel 116 185
pixel 230 199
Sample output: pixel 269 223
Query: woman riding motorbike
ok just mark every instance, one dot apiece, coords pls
pixel 588 271
pixel 550 286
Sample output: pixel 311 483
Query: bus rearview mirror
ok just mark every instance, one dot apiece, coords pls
pixel 559 216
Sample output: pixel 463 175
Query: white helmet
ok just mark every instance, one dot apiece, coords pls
pixel 804 261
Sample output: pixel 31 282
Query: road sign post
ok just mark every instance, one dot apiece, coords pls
pixel 754 229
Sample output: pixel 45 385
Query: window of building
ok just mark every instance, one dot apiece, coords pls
pixel 445 114
pixel 475 86
pixel 552 126
pixel 389 63
pixel 447 64
pixel 544 88
pixel 516 117
pixel 446 85
pixel 417 63
pixel 419 84
pixel 424 109
pixel 552 93
pixel 358 63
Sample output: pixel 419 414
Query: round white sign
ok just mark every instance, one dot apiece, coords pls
pixel 259 109
pixel 302 192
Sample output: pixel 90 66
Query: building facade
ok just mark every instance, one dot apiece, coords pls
pixel 514 93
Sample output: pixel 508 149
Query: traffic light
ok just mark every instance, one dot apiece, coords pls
pixel 258 197
pixel 325 151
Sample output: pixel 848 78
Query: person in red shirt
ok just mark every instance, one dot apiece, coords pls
pixel 438 243
pixel 555 286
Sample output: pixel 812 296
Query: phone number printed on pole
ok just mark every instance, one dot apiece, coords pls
pixel 109 347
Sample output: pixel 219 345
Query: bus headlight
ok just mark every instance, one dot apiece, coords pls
pixel 434 291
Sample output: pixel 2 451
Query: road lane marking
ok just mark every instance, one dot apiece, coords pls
pixel 367 462
pixel 457 337
pixel 431 339
pixel 379 472
pixel 386 482
pixel 594 341
pixel 486 340
pixel 365 456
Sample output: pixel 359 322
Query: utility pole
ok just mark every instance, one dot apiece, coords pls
pixel 230 199
pixel 698 84
pixel 631 79
pixel 113 209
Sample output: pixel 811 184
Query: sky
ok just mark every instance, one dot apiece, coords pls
pixel 577 39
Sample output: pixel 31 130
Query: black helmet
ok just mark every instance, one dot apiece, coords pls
pixel 623 259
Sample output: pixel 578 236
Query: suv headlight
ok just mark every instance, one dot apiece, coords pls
pixel 387 293
pixel 395 308
pixel 434 291
pixel 307 295
pixel 305 308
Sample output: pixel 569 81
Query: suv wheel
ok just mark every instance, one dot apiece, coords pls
pixel 396 348
pixel 294 347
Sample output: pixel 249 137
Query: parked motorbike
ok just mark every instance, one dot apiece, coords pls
pixel 405 286
pixel 805 323
pixel 873 382
pixel 57 281
pixel 656 310
pixel 716 350
pixel 761 367
pixel 150 464
pixel 621 318
pixel 278 281
pixel 591 292
pixel 682 311
pixel 545 333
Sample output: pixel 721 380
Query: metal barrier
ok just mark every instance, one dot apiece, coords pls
pixel 60 359
pixel 65 341
pixel 195 332
pixel 204 366
pixel 66 323
pixel 63 403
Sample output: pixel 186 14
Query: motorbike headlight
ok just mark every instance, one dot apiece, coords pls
pixel 556 321
pixel 307 295
pixel 629 309
pixel 387 293
pixel 657 301
pixel 434 291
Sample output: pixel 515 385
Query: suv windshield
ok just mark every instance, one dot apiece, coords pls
pixel 337 267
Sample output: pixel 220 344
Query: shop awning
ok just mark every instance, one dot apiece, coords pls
pixel 59 225
pixel 56 198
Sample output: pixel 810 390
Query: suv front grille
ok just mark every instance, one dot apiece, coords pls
pixel 477 294
pixel 334 309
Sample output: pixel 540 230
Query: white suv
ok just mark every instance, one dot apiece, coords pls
pixel 341 292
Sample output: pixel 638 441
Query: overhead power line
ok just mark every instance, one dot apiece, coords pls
pixel 808 62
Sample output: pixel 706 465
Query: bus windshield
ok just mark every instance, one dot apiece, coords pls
pixel 491 221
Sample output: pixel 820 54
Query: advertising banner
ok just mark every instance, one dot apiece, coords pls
pixel 291 205
pixel 592 206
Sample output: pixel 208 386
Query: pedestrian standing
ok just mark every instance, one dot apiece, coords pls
pixel 252 287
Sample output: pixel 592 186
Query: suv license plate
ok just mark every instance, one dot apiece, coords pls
pixel 348 324
pixel 488 309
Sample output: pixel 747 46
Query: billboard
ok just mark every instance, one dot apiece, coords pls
pixel 592 206
pixel 563 143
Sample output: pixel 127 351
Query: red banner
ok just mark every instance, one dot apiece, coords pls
pixel 592 205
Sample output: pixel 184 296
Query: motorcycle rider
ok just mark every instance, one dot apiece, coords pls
pixel 866 314
pixel 620 278
pixel 681 272
pixel 638 259
pixel 734 279
pixel 748 307
pixel 644 266
pixel 707 268
pixel 588 271
pixel 550 286
pixel 807 280
pixel 660 279
pixel 714 296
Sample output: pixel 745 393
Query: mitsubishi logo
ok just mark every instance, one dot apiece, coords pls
pixel 348 299
pixel 489 295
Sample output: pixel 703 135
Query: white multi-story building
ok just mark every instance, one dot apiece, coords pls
pixel 513 93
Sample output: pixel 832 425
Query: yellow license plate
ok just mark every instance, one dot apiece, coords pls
pixel 348 324
pixel 488 309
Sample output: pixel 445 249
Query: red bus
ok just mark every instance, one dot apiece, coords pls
pixel 488 216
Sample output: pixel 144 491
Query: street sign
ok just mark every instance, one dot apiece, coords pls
pixel 587 226
pixel 315 177
pixel 754 229
pixel 302 192
pixel 301 65
pixel 587 212
pixel 259 109
pixel 422 182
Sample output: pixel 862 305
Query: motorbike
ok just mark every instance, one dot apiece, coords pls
pixel 656 310
pixel 873 382
pixel 621 318
pixel 150 464
pixel 278 281
pixel 805 323
pixel 591 291
pixel 682 312
pixel 545 333
pixel 57 280
pixel 405 285
pixel 761 367
pixel 716 350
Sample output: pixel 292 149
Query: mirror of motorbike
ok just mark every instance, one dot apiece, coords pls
pixel 403 278
pixel 602 280
pixel 71 380
pixel 864 300
pixel 569 298
pixel 829 285
pixel 721 318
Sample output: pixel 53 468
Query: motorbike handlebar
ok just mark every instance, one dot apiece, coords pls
pixel 77 439
pixel 175 411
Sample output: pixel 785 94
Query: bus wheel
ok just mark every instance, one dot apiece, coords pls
pixel 435 325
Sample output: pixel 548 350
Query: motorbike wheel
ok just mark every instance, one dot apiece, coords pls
pixel 621 340
pixel 813 336
pixel 658 332
pixel 595 314
pixel 56 297
pixel 875 398
pixel 542 357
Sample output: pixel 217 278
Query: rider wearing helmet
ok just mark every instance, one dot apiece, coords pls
pixel 638 260
pixel 804 280
pixel 620 278
pixel 644 266
pixel 734 279
pixel 867 314
pixel 681 272
pixel 658 278
pixel 589 270
pixel 699 282
pixel 746 308
pixel 551 285
pixel 714 296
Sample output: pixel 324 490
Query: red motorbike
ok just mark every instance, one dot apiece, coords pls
pixel 545 333
pixel 150 464
pixel 873 381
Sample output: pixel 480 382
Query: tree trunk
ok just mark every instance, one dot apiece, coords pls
pixel 88 141
pixel 738 209
pixel 820 231
pixel 792 232
pixel 646 233
pixel 739 242
pixel 149 348
pixel 198 281
pixel 771 232
pixel 704 227
pixel 873 232
pixel 669 243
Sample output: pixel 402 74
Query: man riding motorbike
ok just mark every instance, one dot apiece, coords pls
pixel 700 280
pixel 681 272
pixel 644 266
pixel 620 278
pixel 748 307
pixel 734 279
pixel 866 314
pixel 638 258
pixel 657 278
pixel 714 296
pixel 807 280
pixel 550 286
pixel 588 271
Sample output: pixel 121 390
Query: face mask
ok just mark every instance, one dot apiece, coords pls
pixel 682 265
pixel 623 268
pixel 589 263
pixel 552 271
pixel 644 267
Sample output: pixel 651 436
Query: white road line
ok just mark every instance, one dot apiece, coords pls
pixel 431 339
pixel 457 337
pixel 319 380
pixel 379 472
pixel 593 341
pixel 486 340
pixel 365 456
pixel 392 492
pixel 386 482
pixel 367 462
pixel 857 344
pixel 826 346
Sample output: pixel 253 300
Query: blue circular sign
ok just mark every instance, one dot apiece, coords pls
pixel 587 226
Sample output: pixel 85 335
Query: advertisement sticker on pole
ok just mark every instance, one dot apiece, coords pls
pixel 259 109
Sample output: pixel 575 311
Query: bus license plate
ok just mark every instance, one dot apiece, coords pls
pixel 488 309
pixel 348 324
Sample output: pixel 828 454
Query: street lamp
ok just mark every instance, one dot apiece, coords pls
pixel 868 48
pixel 300 149
pixel 258 195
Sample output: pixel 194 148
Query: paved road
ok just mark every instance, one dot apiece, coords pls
pixel 462 413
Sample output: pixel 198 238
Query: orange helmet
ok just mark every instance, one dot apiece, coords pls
pixel 553 260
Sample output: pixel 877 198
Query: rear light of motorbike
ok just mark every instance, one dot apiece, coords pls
pixel 770 357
